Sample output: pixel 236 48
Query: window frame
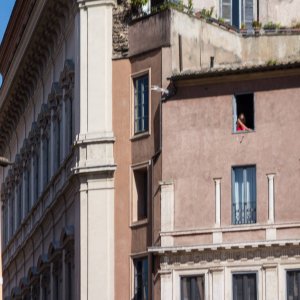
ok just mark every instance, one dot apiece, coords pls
pixel 135 221
pixel 286 279
pixel 190 276
pixel 233 193
pixel 178 274
pixel 246 273
pixel 135 258
pixel 242 12
pixel 235 115
pixel 145 133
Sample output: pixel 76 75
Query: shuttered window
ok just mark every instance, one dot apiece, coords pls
pixel 244 287
pixel 237 12
pixel 248 19
pixel 226 10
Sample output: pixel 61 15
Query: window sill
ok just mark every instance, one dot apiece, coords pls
pixel 139 223
pixel 141 135
pixel 243 132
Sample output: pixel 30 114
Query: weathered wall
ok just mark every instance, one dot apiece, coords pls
pixel 201 40
pixel 199 146
pixel 122 155
pixel 285 12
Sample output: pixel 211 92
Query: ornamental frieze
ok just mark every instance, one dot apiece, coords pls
pixel 222 255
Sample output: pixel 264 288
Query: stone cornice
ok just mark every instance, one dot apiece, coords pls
pixel 215 247
pixel 29 71
pixel 270 254
pixel 13 34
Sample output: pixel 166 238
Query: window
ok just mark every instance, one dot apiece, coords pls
pixel 27 189
pixel 293 285
pixel 244 286
pixel 5 224
pixel 69 272
pixel 244 195
pixel 19 195
pixel 57 278
pixel 36 178
pixel 192 288
pixel 140 193
pixel 46 160
pixel 11 214
pixel 141 104
pixel 243 105
pixel 238 12
pixel 141 279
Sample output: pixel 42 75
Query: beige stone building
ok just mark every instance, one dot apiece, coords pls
pixel 129 179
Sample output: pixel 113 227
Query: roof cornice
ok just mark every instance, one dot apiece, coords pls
pixel 14 31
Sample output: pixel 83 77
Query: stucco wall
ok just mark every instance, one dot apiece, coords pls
pixel 199 146
pixel 122 155
pixel 201 40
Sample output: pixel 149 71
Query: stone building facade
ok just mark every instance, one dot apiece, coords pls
pixel 124 150
pixel 56 126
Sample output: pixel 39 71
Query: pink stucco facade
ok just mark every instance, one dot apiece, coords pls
pixel 199 145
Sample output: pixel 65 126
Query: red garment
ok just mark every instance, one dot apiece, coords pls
pixel 239 128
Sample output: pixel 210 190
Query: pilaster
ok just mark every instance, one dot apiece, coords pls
pixel 94 148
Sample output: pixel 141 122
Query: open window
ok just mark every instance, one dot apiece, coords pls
pixel 140 194
pixel 243 112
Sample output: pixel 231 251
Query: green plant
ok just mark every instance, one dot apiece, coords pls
pixel 243 26
pixel 207 13
pixel 271 62
pixel 271 26
pixel 221 20
pixel 256 25
pixel 138 3
pixel 190 7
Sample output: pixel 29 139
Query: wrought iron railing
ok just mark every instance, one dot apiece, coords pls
pixel 244 213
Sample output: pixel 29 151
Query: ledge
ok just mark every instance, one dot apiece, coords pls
pixel 223 246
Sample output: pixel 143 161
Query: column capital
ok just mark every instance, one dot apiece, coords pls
pixel 271 176
pixel 217 179
pixel 84 4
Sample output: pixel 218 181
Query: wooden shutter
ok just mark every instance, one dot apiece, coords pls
pixel 226 10
pixel 248 13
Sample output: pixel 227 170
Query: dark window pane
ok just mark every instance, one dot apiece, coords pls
pixel 244 287
pixel 293 285
pixel 141 279
pixel 141 103
pixel 192 288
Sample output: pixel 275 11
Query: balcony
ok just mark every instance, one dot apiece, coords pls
pixel 244 213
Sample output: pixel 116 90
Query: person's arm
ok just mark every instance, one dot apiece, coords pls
pixel 244 127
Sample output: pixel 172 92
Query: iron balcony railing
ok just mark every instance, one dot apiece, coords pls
pixel 244 213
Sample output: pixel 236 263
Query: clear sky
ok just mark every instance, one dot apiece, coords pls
pixel 6 7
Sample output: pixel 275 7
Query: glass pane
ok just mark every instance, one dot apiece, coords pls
pixel 192 288
pixel 141 104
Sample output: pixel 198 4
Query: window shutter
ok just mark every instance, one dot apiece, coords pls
pixel 248 13
pixel 226 10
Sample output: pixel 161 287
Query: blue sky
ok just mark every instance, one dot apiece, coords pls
pixel 6 7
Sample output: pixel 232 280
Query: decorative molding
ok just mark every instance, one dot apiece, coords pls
pixel 222 255
pixel 34 61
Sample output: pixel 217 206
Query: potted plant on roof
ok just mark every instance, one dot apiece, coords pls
pixel 256 26
pixel 137 7
pixel 270 27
